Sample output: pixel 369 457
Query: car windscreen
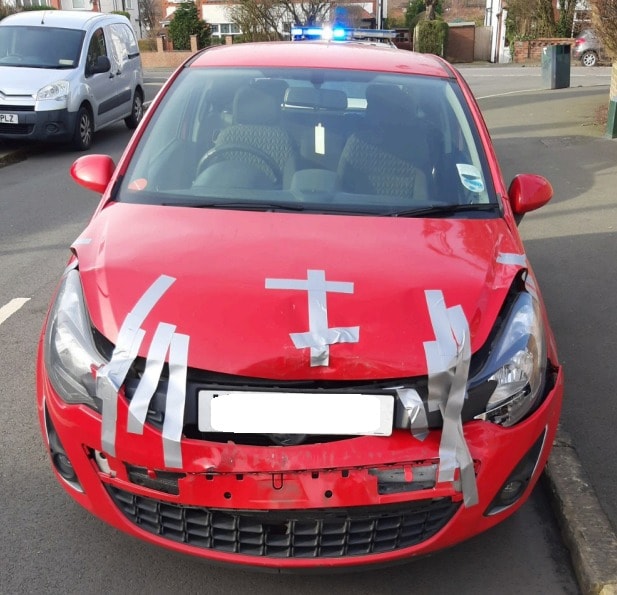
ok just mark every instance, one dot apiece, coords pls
pixel 40 47
pixel 318 140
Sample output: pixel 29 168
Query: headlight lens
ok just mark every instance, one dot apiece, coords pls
pixel 516 364
pixel 58 91
pixel 71 357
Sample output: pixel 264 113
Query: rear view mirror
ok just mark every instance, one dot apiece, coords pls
pixel 93 172
pixel 529 192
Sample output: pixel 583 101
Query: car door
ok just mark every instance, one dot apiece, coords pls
pixel 103 85
pixel 126 64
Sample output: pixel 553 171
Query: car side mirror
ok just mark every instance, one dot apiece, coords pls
pixel 529 192
pixel 93 172
pixel 102 64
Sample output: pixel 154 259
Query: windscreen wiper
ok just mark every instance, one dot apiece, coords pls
pixel 248 205
pixel 444 210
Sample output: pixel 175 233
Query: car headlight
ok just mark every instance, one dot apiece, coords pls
pixel 58 91
pixel 71 357
pixel 516 364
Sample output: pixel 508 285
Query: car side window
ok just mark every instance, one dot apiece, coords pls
pixel 123 43
pixel 96 48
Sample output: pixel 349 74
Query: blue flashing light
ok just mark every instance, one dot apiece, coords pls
pixel 337 33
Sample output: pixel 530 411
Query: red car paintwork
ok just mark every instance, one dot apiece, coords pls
pixel 220 260
pixel 224 257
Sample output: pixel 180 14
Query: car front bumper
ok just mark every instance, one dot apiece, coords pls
pixel 39 125
pixel 359 501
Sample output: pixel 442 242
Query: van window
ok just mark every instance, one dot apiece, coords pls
pixel 96 48
pixel 123 43
pixel 40 47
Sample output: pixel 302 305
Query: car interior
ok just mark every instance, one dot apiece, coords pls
pixel 354 142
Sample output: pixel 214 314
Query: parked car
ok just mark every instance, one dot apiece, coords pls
pixel 588 48
pixel 300 330
pixel 66 74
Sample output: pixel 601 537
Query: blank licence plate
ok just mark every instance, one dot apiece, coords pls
pixel 9 119
pixel 295 413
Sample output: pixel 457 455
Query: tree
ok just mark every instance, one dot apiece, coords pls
pixel 186 22
pixel 430 9
pixel 260 20
pixel 604 19
pixel 306 13
pixel 566 17
pixel 416 9
pixel 530 19
pixel 150 16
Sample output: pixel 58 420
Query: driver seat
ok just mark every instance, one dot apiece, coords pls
pixel 256 124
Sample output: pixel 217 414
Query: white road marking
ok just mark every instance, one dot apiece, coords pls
pixel 13 306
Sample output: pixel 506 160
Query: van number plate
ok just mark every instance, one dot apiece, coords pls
pixel 8 119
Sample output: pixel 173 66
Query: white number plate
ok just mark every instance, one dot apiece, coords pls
pixel 295 413
pixel 9 119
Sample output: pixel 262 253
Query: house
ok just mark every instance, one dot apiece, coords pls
pixel 217 14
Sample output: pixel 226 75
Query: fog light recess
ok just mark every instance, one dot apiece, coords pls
pixel 60 460
pixel 516 485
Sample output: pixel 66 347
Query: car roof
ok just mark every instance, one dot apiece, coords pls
pixel 326 54
pixel 64 19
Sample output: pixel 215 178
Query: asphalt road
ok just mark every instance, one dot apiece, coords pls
pixel 50 545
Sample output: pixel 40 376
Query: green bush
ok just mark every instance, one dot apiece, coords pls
pixel 123 13
pixel 431 37
pixel 37 7
pixel 147 45
pixel 186 22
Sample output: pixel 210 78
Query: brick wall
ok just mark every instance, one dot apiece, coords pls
pixel 530 52
pixel 167 59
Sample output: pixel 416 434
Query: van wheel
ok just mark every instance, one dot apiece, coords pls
pixel 137 111
pixel 84 130
pixel 589 58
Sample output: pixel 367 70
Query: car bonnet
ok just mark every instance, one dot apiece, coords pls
pixel 253 291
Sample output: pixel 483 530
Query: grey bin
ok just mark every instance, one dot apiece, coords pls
pixel 556 66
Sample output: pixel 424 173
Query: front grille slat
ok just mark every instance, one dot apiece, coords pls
pixel 332 533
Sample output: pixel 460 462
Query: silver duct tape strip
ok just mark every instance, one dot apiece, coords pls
pixel 319 344
pixel 530 286
pixel 109 379
pixel 508 258
pixel 319 337
pixel 81 242
pixel 415 411
pixel 448 361
pixel 111 376
pixel 176 398
pixel 440 354
pixel 138 408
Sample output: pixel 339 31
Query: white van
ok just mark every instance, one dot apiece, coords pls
pixel 66 74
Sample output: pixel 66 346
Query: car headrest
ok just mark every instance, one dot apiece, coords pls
pixel 386 104
pixel 254 106
pixel 310 97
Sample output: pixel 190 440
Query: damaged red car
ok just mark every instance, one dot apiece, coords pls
pixel 300 329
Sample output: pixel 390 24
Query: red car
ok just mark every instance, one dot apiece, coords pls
pixel 300 329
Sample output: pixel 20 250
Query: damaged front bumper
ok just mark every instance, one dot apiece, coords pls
pixel 355 501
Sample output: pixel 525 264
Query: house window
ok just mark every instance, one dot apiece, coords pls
pixel 28 3
pixel 79 4
pixel 227 29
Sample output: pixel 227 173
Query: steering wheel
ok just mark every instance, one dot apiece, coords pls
pixel 217 153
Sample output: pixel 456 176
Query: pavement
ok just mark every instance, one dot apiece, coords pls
pixel 586 529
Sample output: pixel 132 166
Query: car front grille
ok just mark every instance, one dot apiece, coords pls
pixel 323 533
pixel 16 128
pixel 16 108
